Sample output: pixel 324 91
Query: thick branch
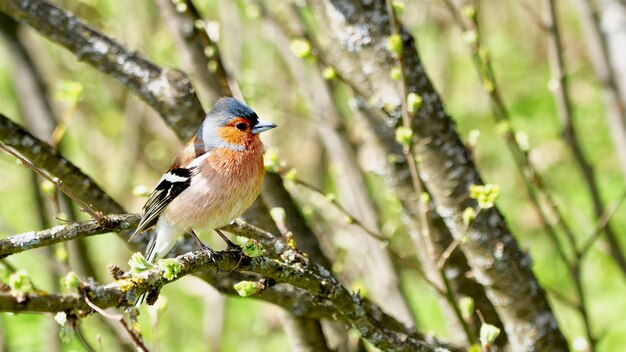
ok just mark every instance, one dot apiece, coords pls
pixel 166 90
pixel 448 171
pixel 48 158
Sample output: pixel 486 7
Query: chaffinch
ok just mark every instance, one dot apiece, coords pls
pixel 214 178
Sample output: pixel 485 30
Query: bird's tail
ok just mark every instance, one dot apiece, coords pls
pixel 161 242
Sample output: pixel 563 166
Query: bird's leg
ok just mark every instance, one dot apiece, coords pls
pixel 229 244
pixel 203 246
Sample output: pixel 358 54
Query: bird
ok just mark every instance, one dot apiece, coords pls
pixel 214 178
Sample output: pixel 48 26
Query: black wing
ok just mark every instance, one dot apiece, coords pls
pixel 173 183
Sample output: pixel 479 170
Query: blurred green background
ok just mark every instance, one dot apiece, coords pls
pixel 121 143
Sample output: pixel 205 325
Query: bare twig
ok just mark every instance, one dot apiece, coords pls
pixel 167 91
pixel 119 318
pixel 67 191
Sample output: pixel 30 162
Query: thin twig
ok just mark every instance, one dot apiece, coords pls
pixel 119 318
pixel 68 192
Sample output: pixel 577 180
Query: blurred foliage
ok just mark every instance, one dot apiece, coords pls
pixel 122 144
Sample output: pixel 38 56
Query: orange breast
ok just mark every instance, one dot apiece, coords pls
pixel 230 182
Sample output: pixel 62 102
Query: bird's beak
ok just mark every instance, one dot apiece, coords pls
pixel 262 126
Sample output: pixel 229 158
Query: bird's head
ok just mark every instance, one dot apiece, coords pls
pixel 231 124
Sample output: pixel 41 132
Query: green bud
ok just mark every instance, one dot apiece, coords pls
pixel 395 73
pixel 398 7
pixel 291 175
pixel 472 138
pixel 66 333
pixel 212 66
pixel 469 11
pixel 413 102
pixel 331 197
pixel 466 305
pixel 209 51
pixel 70 280
pixel 199 24
pixel 425 198
pixel 348 219
pixel 253 249
pixel 271 160
pixel 181 7
pixel 522 141
pixel 172 268
pixel 488 334
pixel 503 127
pixel 329 73
pixel 404 136
pixel 394 44
pixel 247 288
pixel 138 263
pixel 301 48
pixel 20 282
pixel 475 348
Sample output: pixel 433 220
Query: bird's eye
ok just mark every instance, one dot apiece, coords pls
pixel 241 126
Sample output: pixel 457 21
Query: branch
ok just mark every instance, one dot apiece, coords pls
pixel 36 239
pixel 125 290
pixel 168 91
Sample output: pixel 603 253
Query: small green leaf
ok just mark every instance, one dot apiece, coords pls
pixel 253 249
pixel 247 288
pixel 138 263
pixel 488 334
pixel 172 268
pixel 486 195
pixel 413 102
pixel 301 48
pixel 469 214
pixel 394 44
pixel 19 281
pixel 466 305
pixel 404 136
